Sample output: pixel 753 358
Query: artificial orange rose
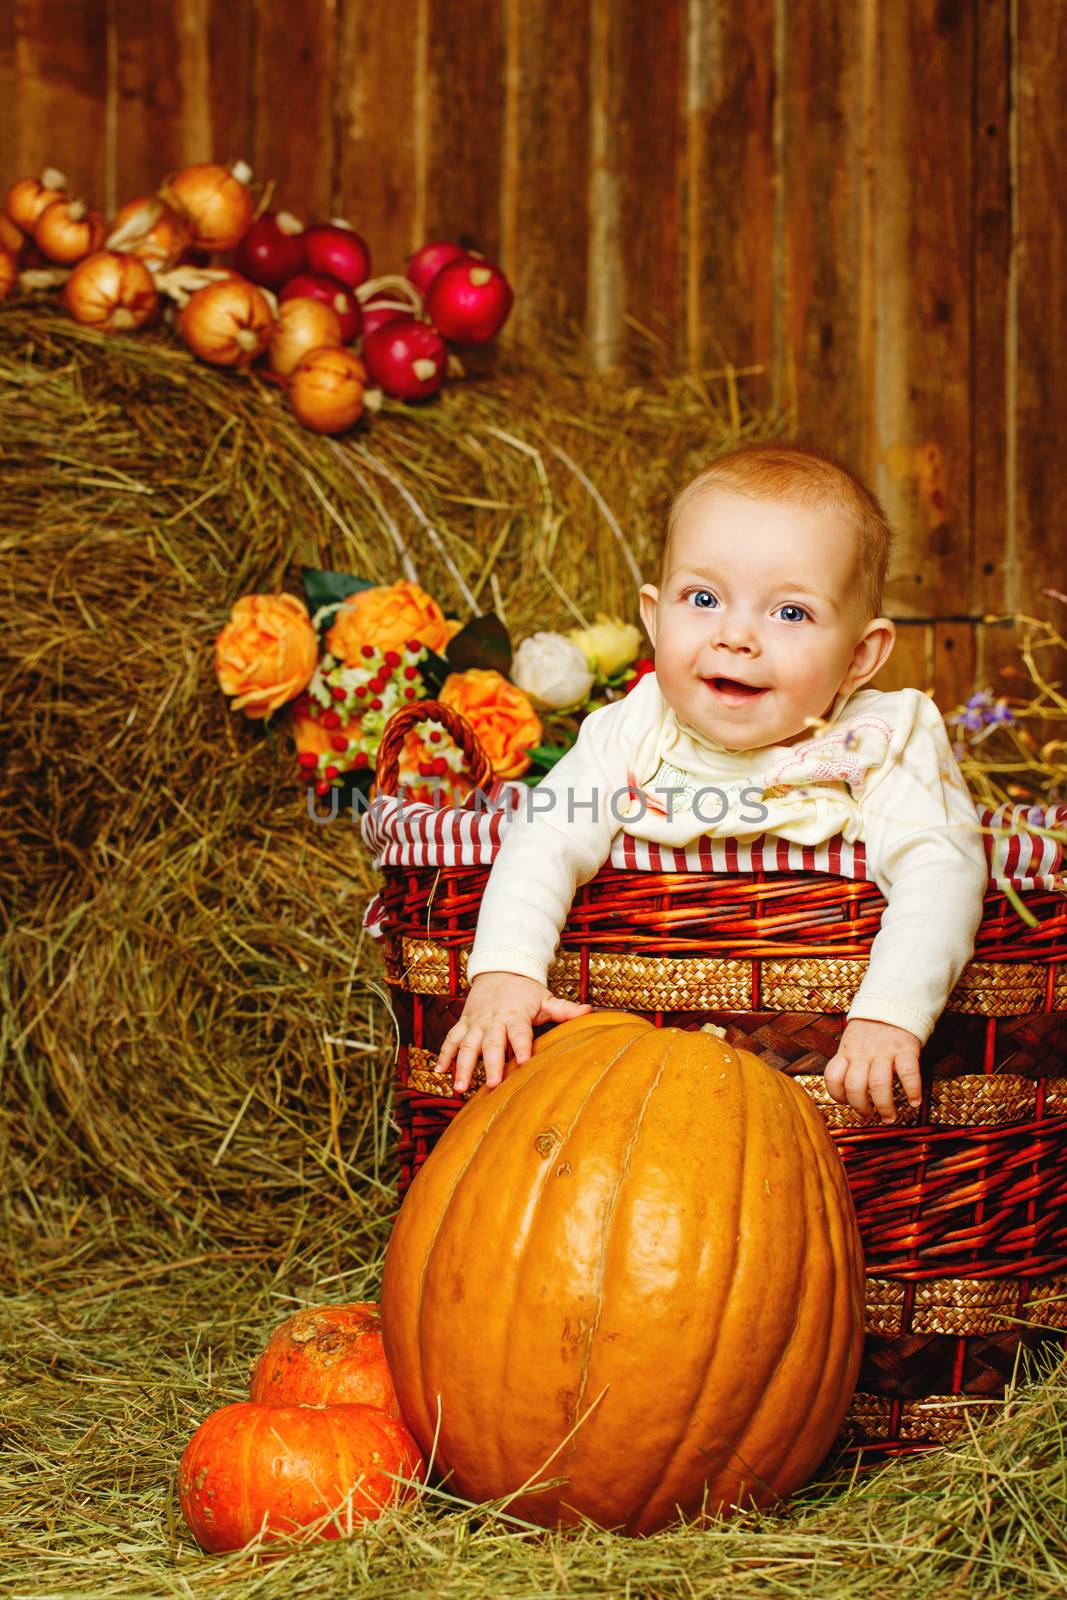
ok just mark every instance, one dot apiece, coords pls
pixel 267 652
pixel 387 616
pixel 500 714
pixel 311 737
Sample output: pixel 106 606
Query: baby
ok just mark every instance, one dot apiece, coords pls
pixel 765 626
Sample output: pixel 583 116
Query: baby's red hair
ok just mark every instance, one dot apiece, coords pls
pixel 806 476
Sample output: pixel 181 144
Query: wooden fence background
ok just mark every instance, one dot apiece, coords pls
pixel 864 199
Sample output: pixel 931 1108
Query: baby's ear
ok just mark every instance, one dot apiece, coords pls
pixel 873 649
pixel 648 600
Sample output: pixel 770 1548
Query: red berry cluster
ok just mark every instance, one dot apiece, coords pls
pixel 349 703
pixel 438 766
pixel 640 668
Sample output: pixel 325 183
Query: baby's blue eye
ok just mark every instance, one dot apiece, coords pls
pixel 790 607
pixel 693 594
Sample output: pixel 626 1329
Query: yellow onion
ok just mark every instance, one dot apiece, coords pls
pixel 327 388
pixel 216 201
pixel 9 271
pixel 27 198
pixel 67 231
pixel 227 323
pixel 151 230
pixel 11 235
pixel 303 325
pixel 112 291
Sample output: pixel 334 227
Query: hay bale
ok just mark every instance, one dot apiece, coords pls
pixel 194 1022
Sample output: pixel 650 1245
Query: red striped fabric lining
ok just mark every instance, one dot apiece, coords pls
pixel 422 836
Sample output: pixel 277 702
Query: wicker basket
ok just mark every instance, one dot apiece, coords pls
pixel 962 1203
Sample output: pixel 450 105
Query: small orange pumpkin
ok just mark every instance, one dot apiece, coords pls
pixel 633 1266
pixel 326 1355
pixel 280 1470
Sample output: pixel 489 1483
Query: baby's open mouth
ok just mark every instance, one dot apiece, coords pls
pixel 734 687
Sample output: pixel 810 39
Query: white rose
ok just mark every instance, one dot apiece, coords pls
pixel 552 670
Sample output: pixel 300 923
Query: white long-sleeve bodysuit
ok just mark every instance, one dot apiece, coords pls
pixel 881 770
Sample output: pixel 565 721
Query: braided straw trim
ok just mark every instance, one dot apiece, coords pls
pixel 966 1305
pixel 971 1101
pixel 819 983
pixel 724 983
pixel 999 989
pixel 940 1417
pixel 811 983
pixel 423 1080
pixel 629 983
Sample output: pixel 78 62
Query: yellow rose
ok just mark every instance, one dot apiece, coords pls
pixel 267 652
pixel 500 714
pixel 388 616
pixel 609 645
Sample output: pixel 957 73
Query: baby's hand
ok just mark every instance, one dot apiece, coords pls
pixel 501 1006
pixel 866 1059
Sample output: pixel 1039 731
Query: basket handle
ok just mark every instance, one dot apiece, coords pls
pixel 387 770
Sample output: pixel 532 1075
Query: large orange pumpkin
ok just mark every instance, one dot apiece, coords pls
pixel 281 1469
pixel 634 1265
pixel 326 1355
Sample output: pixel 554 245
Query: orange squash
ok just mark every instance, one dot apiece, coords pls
pixel 326 1355
pixel 635 1266
pixel 282 1469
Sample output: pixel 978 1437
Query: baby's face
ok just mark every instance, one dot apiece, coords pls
pixel 756 625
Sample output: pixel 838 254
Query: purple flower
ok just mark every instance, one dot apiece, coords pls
pixel 982 712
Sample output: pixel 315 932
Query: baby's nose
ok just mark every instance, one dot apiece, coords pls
pixel 735 633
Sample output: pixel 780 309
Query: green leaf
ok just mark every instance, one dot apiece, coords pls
pixel 434 670
pixel 543 758
pixel 547 752
pixel 483 642
pixel 326 588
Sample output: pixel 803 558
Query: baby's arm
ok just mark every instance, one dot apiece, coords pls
pixel 559 838
pixel 924 849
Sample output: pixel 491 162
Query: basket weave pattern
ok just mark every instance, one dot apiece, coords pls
pixel 962 1203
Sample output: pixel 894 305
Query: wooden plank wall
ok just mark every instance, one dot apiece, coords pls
pixel 864 199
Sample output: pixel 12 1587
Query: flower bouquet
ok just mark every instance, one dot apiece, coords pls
pixel 343 659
